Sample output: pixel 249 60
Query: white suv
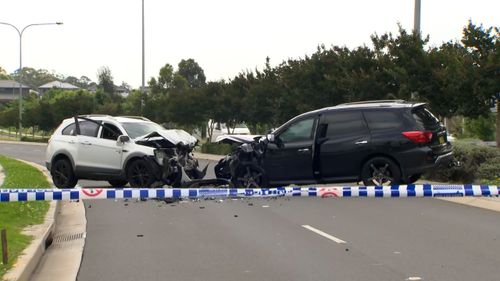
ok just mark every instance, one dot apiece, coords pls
pixel 116 149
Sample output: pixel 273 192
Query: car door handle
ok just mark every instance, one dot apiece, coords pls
pixel 71 142
pixel 86 143
pixel 361 142
pixel 303 151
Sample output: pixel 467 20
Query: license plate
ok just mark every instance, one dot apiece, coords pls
pixel 441 139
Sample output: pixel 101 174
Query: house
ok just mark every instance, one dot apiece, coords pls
pixel 9 90
pixel 57 85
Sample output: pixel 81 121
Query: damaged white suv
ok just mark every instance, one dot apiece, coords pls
pixel 119 150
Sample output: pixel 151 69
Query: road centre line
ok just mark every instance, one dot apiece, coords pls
pixel 324 234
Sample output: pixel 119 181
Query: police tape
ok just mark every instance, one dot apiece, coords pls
pixel 424 190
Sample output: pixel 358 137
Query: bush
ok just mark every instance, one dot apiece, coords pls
pixel 217 148
pixel 477 164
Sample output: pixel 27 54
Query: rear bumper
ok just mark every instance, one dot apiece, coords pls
pixel 425 160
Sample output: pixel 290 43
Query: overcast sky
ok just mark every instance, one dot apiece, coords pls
pixel 224 36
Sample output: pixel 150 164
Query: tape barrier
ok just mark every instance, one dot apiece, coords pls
pixel 425 190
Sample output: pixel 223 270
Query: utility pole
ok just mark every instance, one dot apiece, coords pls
pixel 143 90
pixel 416 22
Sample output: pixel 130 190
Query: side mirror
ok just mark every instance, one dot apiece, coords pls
pixel 123 139
pixel 271 138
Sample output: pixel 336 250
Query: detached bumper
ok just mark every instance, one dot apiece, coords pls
pixel 446 160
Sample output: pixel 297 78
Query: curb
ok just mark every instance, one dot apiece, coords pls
pixel 28 261
pixel 24 143
pixel 2 176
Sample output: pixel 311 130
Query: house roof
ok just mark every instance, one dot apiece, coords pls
pixel 59 85
pixel 11 84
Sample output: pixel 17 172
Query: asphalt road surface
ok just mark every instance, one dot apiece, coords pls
pixel 286 239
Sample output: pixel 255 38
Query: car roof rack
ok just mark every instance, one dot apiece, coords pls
pixel 136 117
pixel 374 101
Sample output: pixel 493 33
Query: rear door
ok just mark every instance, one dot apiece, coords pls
pixel 292 159
pixel 343 143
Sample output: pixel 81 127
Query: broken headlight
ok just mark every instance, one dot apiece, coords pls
pixel 160 155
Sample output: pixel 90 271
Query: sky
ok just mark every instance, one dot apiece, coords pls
pixel 225 37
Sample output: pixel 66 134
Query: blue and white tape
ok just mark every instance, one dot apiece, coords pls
pixel 425 190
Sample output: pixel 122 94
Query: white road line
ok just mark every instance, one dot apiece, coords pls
pixel 324 234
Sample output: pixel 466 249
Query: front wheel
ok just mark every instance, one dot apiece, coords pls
pixel 138 174
pixel 380 171
pixel 62 174
pixel 249 176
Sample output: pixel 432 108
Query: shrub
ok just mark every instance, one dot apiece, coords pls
pixel 217 148
pixel 476 162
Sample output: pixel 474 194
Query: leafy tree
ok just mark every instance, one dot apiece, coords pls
pixel 4 75
pixel 105 79
pixel 192 72
pixel 483 45
pixel 34 78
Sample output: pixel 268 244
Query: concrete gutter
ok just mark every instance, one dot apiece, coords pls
pixel 24 143
pixel 27 262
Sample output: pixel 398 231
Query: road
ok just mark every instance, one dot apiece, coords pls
pixel 286 239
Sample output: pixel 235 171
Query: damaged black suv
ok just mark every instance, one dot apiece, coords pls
pixel 376 142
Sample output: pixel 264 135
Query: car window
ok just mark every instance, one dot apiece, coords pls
pixel 300 131
pixel 382 120
pixel 88 128
pixel 110 132
pixel 345 124
pixel 425 119
pixel 70 130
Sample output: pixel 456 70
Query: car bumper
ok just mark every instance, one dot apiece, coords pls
pixel 47 164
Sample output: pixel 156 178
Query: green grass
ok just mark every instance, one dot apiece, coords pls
pixel 15 216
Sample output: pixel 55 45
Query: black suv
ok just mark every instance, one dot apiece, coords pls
pixel 377 142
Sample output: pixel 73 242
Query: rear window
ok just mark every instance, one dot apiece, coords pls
pixel 384 120
pixel 425 119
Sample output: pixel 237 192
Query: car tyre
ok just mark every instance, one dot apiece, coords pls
pixel 249 176
pixel 118 183
pixel 380 171
pixel 139 175
pixel 62 174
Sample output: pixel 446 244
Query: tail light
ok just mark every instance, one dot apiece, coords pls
pixel 418 137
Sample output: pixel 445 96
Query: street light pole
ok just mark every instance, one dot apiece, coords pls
pixel 416 20
pixel 20 33
pixel 143 64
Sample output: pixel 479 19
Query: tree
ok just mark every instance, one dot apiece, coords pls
pixel 105 79
pixel 483 45
pixel 192 72
pixel 4 75
pixel 34 78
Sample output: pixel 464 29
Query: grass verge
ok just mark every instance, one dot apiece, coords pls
pixel 15 216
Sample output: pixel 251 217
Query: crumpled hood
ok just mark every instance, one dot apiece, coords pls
pixel 237 138
pixel 174 136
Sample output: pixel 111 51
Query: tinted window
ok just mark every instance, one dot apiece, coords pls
pixel 300 131
pixel 110 132
pixel 425 119
pixel 69 130
pixel 383 120
pixel 88 128
pixel 345 124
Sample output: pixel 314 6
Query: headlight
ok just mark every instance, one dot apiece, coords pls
pixel 159 155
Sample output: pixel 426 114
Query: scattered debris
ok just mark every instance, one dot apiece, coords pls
pixel 235 216
pixel 140 235
pixel 265 206
pixel 202 207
